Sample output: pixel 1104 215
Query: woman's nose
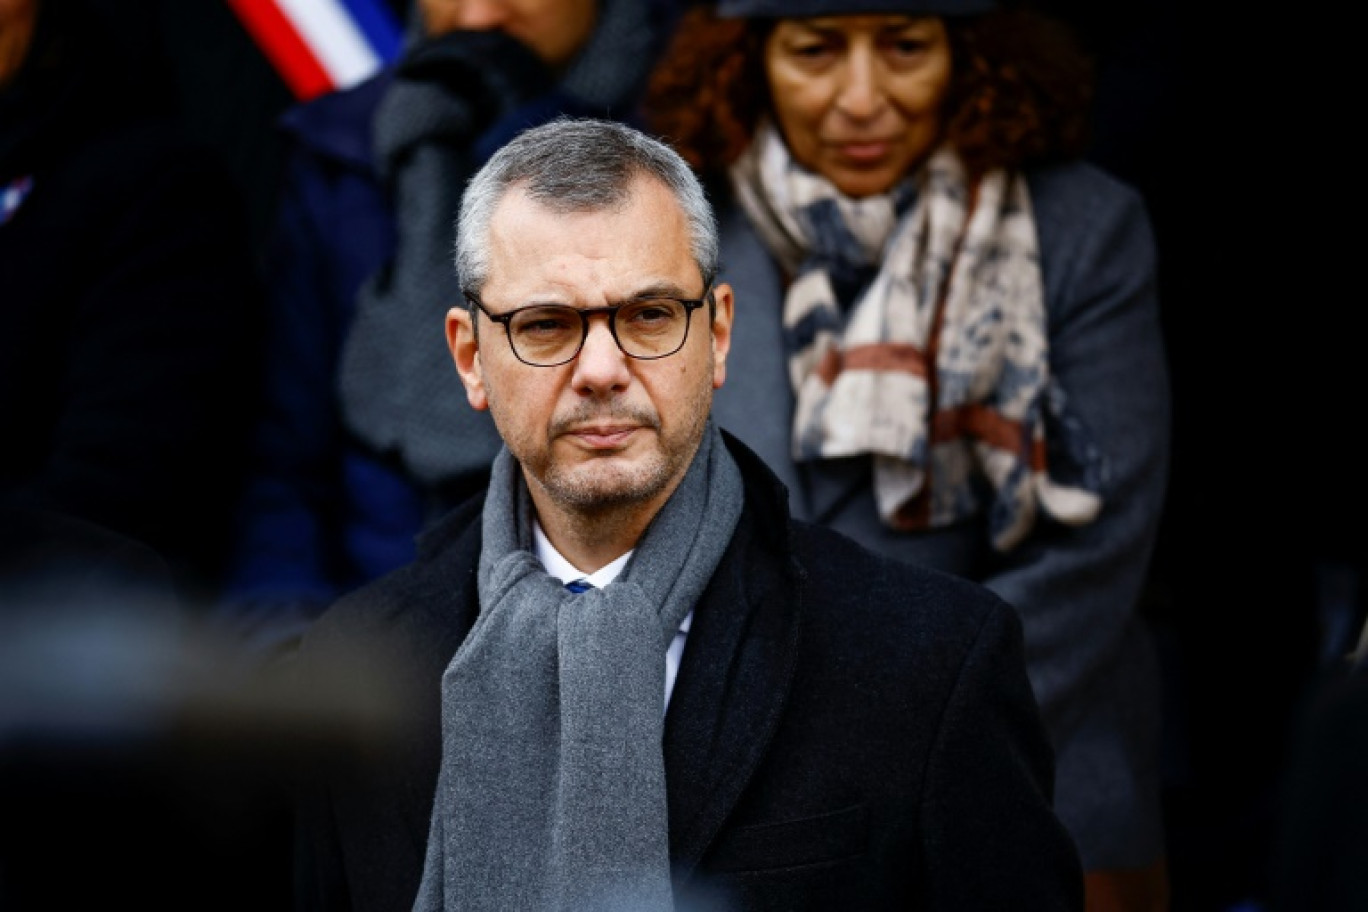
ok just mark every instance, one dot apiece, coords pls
pixel 860 93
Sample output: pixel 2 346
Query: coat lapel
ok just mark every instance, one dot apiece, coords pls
pixel 732 686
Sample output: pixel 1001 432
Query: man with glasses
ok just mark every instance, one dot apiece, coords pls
pixel 623 678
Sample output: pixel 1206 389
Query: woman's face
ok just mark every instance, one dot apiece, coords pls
pixel 858 98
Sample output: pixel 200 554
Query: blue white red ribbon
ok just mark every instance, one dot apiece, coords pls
pixel 318 46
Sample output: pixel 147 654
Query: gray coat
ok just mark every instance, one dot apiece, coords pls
pixel 1077 589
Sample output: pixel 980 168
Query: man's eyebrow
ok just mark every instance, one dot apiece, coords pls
pixel 664 289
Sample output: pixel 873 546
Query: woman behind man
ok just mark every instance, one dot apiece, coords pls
pixel 947 340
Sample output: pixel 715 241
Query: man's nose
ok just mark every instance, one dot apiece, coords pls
pixel 601 365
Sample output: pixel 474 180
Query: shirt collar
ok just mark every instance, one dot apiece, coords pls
pixel 556 564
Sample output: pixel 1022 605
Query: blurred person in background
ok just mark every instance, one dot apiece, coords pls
pixel 948 344
pixel 129 360
pixel 365 434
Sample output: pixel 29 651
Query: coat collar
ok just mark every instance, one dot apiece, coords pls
pixel 736 672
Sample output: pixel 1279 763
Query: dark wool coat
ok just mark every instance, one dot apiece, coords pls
pixel 846 732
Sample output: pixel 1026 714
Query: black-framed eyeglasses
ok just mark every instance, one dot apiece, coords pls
pixel 548 335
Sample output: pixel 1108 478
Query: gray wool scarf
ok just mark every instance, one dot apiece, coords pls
pixel 551 794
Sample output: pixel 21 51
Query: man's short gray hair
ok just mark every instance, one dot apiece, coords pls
pixel 576 164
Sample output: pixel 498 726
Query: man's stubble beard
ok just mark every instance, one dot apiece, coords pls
pixel 597 486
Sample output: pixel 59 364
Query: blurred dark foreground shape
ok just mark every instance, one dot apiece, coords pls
pixel 142 761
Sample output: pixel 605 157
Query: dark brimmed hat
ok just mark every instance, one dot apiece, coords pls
pixel 797 9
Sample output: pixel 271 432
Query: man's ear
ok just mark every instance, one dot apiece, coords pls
pixel 465 351
pixel 721 331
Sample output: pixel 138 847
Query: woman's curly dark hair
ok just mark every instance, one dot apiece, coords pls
pixel 1020 91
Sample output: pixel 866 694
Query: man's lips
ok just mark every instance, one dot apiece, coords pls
pixel 604 437
pixel 602 429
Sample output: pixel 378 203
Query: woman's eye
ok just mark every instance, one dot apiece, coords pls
pixel 811 50
pixel 907 47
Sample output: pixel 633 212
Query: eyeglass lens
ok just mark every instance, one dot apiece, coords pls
pixel 648 328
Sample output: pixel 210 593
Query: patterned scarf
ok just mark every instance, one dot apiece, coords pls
pixel 551 794
pixel 915 326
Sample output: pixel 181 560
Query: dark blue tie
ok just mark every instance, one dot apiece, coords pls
pixel 578 586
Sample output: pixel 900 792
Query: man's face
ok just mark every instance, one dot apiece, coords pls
pixel 603 430
pixel 554 29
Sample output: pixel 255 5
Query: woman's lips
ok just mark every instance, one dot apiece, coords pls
pixel 866 152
